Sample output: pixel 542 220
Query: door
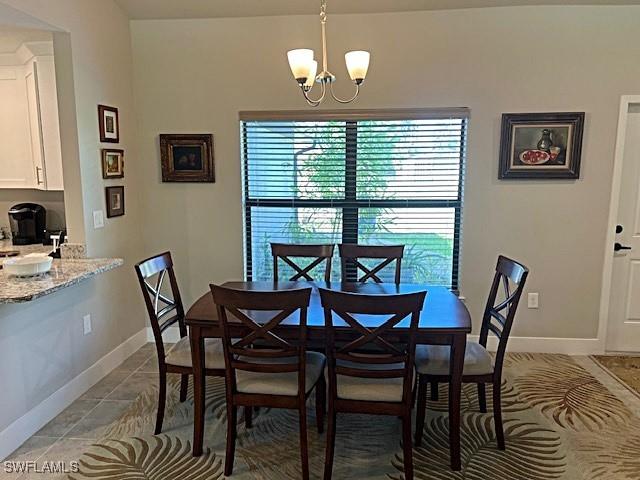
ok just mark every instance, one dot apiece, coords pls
pixel 624 301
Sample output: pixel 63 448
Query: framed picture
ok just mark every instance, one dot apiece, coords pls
pixel 115 201
pixel 109 124
pixel 187 158
pixel 112 163
pixel 541 145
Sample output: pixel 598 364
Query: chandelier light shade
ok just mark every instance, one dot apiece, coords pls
pixel 357 65
pixel 300 61
pixel 304 67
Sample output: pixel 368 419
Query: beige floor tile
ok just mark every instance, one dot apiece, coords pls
pixel 65 451
pixel 105 386
pixel 32 449
pixel 150 366
pixel 133 386
pixel 68 418
pixel 93 425
pixel 138 358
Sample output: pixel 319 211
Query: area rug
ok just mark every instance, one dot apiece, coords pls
pixel 560 423
pixel 624 368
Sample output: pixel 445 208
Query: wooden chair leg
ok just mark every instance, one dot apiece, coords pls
pixel 407 446
pixel 482 397
pixel 232 420
pixel 304 445
pixel 434 391
pixel 184 385
pixel 162 398
pixel 321 399
pixel 497 414
pixel 331 443
pixel 248 417
pixel 421 410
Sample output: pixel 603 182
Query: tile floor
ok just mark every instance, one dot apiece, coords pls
pixel 65 437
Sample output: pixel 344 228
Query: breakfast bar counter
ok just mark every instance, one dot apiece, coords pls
pixel 64 273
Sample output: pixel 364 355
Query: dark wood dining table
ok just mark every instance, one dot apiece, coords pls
pixel 444 320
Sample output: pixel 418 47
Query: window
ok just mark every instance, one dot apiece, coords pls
pixel 381 178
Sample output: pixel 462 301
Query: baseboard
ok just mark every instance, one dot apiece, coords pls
pixel 568 346
pixel 170 335
pixel 24 427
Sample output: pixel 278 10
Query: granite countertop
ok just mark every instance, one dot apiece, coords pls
pixel 64 273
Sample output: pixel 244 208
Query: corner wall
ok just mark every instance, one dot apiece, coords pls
pixel 42 348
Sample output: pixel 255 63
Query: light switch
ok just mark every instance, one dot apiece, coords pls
pixel 86 324
pixel 532 300
pixel 98 219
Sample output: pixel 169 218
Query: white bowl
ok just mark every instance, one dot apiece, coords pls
pixel 27 266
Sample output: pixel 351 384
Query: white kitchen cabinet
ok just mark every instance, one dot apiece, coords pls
pixel 30 147
pixel 15 149
pixel 44 128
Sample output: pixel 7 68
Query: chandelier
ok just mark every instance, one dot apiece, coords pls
pixel 304 67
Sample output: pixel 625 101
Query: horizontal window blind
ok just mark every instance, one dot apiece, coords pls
pixel 380 179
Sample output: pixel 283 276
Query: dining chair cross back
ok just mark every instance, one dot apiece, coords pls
pixel 262 368
pixel 322 253
pixel 510 278
pixel 379 383
pixel 352 254
pixel 165 309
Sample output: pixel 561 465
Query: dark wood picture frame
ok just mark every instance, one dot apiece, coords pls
pixel 560 162
pixel 187 157
pixel 115 206
pixel 105 166
pixel 109 132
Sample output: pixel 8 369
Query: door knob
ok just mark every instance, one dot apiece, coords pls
pixel 618 246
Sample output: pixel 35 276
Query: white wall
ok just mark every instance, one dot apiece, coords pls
pixel 41 347
pixel 196 75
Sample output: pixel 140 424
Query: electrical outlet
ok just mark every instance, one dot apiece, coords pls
pixel 532 300
pixel 86 324
pixel 98 219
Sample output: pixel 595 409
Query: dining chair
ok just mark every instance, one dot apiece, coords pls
pixel 277 374
pixel 432 361
pixel 164 306
pixel 378 383
pixel 351 254
pixel 321 253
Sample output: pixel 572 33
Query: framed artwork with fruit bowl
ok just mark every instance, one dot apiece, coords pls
pixel 541 145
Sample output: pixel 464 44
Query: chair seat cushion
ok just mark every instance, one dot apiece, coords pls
pixel 434 360
pixel 280 383
pixel 369 389
pixel 180 354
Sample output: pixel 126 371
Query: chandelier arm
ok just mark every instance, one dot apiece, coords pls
pixel 339 100
pixel 312 102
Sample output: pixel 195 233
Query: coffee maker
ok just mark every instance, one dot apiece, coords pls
pixel 28 223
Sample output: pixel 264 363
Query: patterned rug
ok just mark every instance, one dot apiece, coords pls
pixel 560 423
pixel 624 368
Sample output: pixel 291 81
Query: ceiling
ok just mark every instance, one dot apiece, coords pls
pixel 166 9
pixel 11 38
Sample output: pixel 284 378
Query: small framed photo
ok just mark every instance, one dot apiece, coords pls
pixel 187 158
pixel 112 163
pixel 115 201
pixel 109 124
pixel 541 145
